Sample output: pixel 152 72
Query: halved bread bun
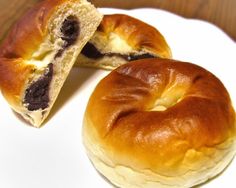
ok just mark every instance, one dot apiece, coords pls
pixel 39 52
pixel 121 38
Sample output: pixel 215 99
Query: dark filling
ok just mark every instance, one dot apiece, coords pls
pixel 92 52
pixel 132 57
pixel 70 30
pixel 37 94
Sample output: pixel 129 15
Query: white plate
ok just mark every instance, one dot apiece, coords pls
pixel 54 156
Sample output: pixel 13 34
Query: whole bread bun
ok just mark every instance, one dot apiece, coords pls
pixel 159 123
pixel 39 52
pixel 121 38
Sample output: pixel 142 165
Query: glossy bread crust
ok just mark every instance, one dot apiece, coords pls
pixel 161 123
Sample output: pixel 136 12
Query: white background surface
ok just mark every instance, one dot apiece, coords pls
pixel 54 157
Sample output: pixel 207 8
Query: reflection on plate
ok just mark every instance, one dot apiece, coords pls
pixel 54 156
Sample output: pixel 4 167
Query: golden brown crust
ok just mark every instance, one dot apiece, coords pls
pixel 13 75
pixel 137 33
pixel 198 118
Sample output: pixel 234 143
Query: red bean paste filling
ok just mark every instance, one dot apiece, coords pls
pixel 70 30
pixel 37 94
pixel 92 52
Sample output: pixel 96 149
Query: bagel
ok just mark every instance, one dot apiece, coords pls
pixel 161 123
pixel 39 51
pixel 121 38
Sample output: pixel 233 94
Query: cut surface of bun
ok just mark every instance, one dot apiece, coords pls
pixel 39 51
pixel 161 123
pixel 121 38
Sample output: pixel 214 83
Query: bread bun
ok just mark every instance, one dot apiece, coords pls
pixel 39 51
pixel 121 38
pixel 159 123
